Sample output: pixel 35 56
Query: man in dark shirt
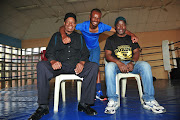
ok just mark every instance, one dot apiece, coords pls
pixel 66 58
pixel 91 30
pixel 123 56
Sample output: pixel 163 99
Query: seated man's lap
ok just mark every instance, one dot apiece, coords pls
pixel 140 65
pixel 89 66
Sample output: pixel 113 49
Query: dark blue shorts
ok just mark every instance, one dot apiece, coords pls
pixel 94 55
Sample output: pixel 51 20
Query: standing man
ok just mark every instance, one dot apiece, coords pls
pixel 66 58
pixel 122 55
pixel 91 30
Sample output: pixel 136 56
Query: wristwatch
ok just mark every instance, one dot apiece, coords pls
pixel 133 62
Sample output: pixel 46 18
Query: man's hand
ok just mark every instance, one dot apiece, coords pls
pixel 130 66
pixel 134 39
pixel 66 39
pixel 122 67
pixel 55 64
pixel 79 68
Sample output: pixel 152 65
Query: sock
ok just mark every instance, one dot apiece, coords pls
pixel 98 87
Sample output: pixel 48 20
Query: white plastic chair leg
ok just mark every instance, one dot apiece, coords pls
pixel 123 87
pixel 60 80
pixel 56 94
pixel 139 88
pixel 124 77
pixel 117 89
pixel 79 90
pixel 63 91
pixel 117 84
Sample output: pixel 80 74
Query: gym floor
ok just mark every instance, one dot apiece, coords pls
pixel 19 103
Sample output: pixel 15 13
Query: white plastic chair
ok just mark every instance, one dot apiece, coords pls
pixel 123 77
pixel 61 80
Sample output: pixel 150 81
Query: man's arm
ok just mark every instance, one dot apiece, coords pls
pixel 50 53
pixel 136 54
pixel 134 38
pixel 84 51
pixel 50 50
pixel 135 59
pixel 84 57
pixel 79 67
pixel 122 67
pixel 55 64
pixel 113 29
pixel 65 38
pixel 109 57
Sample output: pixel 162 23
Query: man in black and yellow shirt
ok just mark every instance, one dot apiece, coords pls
pixel 66 58
pixel 122 56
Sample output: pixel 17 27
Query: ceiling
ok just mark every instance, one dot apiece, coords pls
pixel 30 19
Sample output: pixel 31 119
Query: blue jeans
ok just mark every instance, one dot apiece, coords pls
pixel 141 67
pixel 94 55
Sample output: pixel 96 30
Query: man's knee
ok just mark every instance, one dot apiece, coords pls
pixel 41 64
pixel 145 65
pixel 110 66
pixel 95 66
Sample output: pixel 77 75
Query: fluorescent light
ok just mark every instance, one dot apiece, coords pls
pixel 27 7
pixel 75 0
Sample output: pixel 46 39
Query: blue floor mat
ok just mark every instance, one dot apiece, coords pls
pixel 20 102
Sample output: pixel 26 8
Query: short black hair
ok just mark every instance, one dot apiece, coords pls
pixel 69 15
pixel 118 19
pixel 96 9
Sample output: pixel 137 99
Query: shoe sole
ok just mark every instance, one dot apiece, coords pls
pixel 149 108
pixel 81 110
pixel 106 111
pixel 44 114
pixel 39 116
pixel 101 99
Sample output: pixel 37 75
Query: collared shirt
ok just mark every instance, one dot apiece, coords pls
pixel 71 53
pixel 92 38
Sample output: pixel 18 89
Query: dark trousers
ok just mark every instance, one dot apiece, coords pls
pixel 45 73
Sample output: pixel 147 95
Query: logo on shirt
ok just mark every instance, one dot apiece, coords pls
pixel 123 52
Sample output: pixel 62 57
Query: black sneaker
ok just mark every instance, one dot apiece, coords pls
pixel 42 110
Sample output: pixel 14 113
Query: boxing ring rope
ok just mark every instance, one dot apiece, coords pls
pixel 18 65
pixel 162 51
pixel 167 48
pixel 26 63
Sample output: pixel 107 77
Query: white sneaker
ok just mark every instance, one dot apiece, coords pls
pixel 154 106
pixel 111 108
